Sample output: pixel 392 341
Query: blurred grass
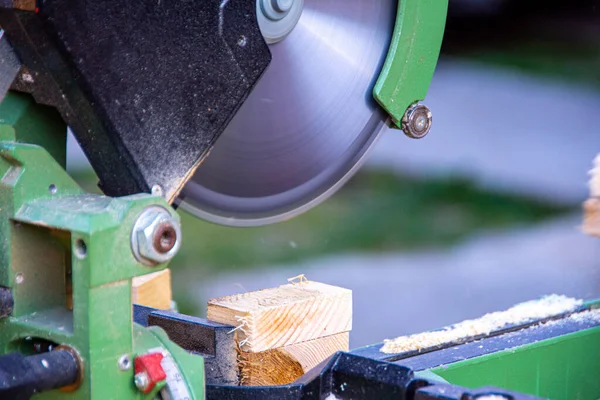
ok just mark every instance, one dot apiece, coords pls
pixel 575 62
pixel 376 211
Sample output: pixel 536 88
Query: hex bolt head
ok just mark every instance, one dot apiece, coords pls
pixel 417 121
pixel 156 236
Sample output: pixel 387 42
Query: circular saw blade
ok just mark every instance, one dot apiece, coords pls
pixel 307 125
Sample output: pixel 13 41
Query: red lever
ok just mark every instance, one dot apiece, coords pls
pixel 148 371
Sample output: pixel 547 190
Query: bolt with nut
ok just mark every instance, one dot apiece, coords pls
pixel 156 236
pixel 417 121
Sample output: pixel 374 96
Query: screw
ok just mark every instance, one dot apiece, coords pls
pixel 142 381
pixel 124 362
pixel 155 238
pixel 27 78
pixel 157 190
pixel 416 122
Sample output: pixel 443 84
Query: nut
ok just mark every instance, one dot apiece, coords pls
pixel 417 121
pixel 156 236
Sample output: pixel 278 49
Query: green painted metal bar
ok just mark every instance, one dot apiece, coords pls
pixel 413 55
pixel 563 368
pixel 52 233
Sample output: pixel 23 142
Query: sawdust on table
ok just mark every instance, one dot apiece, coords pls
pixel 580 317
pixel 521 313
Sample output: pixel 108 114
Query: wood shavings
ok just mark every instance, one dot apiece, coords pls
pixel 580 317
pixel 586 316
pixel 298 280
pixel 519 314
pixel 595 178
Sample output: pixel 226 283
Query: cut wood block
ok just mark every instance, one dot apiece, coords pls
pixel 26 5
pixel 286 364
pixel 153 290
pixel 282 316
pixel 591 221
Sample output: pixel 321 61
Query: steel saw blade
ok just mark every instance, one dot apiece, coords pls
pixel 308 124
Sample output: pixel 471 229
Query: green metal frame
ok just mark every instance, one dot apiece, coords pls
pixel 412 57
pixel 562 368
pixel 53 234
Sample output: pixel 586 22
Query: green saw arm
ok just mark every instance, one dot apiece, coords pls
pixel 412 57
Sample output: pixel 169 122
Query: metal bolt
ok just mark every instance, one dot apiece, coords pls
pixel 282 5
pixel 156 236
pixel 416 122
pixel 124 362
pixel 142 381
pixel 157 190
pixel 242 41
pixel 276 10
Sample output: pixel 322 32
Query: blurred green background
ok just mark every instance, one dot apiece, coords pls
pixel 383 211
pixel 363 216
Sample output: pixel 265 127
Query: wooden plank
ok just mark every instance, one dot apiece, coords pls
pixel 591 220
pixel 282 316
pixel 153 290
pixel 26 5
pixel 286 364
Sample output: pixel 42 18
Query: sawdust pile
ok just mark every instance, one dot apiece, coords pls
pixel 521 313
pixel 580 317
